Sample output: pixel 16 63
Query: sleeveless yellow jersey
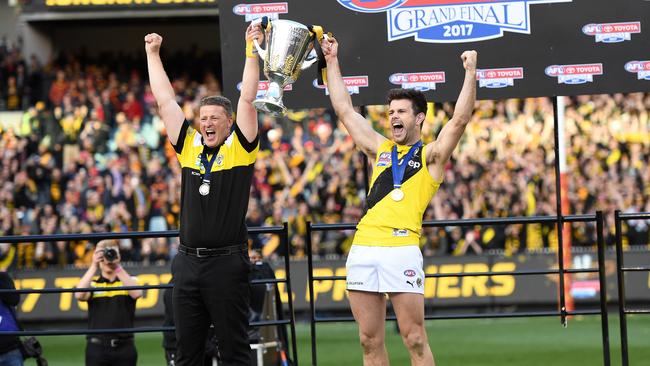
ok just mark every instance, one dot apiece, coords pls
pixel 387 222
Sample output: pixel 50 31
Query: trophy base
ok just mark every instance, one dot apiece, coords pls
pixel 273 107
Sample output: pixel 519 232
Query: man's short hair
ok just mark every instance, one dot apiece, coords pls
pixel 418 101
pixel 218 100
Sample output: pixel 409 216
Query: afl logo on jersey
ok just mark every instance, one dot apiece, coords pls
pixel 384 159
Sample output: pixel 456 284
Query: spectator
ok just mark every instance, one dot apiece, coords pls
pixel 10 354
pixel 109 309
pixel 58 89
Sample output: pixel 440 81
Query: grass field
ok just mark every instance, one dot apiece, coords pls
pixel 485 342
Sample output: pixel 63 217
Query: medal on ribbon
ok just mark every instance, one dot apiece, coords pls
pixel 398 168
pixel 204 189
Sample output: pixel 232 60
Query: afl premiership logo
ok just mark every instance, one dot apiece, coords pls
pixel 450 21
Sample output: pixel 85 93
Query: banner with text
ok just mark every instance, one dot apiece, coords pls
pixel 526 48
pixel 443 292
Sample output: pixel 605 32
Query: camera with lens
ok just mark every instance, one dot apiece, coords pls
pixel 110 254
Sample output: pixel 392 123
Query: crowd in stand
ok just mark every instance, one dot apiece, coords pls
pixel 91 155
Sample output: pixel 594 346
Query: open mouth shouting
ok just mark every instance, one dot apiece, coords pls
pixel 398 129
pixel 210 136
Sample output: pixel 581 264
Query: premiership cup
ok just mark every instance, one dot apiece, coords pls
pixel 288 44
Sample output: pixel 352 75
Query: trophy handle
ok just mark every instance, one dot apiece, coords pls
pixel 307 63
pixel 260 51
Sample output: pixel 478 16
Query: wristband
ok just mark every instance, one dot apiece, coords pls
pixel 251 51
pixel 118 269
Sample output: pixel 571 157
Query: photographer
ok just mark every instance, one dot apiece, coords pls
pixel 109 309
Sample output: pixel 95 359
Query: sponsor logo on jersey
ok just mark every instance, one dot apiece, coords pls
pixel 409 273
pixel 384 159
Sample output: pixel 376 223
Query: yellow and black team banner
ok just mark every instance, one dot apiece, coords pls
pixel 44 6
pixel 440 293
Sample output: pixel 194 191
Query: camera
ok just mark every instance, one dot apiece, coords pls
pixel 110 254
pixel 31 348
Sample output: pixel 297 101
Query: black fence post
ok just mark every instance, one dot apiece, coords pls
pixel 621 287
pixel 312 305
pixel 604 318
pixel 560 218
pixel 287 271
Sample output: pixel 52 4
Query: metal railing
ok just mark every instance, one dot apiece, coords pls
pixel 620 277
pixel 282 231
pixel 561 271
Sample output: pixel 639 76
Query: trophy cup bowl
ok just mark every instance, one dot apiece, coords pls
pixel 288 44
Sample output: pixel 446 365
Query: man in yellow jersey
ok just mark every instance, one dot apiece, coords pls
pixel 385 257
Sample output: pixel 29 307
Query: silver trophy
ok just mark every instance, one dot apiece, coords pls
pixel 288 44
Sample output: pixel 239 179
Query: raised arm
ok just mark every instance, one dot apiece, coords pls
pixel 364 136
pixel 246 113
pixel 170 112
pixel 439 151
pixel 88 277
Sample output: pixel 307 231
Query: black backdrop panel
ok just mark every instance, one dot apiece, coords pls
pixel 526 48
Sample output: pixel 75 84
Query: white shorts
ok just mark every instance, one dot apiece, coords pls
pixel 385 269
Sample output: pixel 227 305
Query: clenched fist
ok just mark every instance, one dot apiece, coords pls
pixel 330 47
pixel 152 42
pixel 254 31
pixel 469 60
